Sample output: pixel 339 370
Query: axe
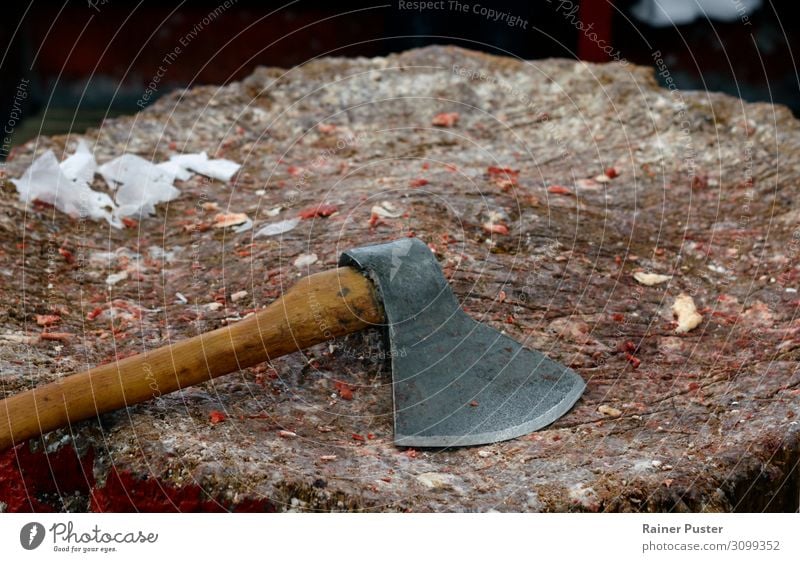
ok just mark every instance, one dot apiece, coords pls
pixel 455 381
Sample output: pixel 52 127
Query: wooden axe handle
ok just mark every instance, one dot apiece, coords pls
pixel 319 307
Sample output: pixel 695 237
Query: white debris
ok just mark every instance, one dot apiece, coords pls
pixel 386 210
pixel 685 311
pixel 115 278
pixel 304 260
pixel 107 259
pixel 272 212
pixel 176 170
pixel 45 181
pixel 181 298
pixel 214 305
pixel 495 216
pixel 238 295
pixel 81 166
pixel 247 225
pixel 159 253
pixel 609 411
pixel 585 497
pixel 140 185
pixel 641 466
pixel 651 279
pixel 718 269
pixel 438 481
pixel 17 337
pixel 220 169
pixel 278 228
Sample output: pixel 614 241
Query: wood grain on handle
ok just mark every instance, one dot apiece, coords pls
pixel 317 308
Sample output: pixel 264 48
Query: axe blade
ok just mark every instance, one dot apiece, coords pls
pixel 456 382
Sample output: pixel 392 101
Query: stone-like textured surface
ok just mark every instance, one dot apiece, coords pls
pixel 706 192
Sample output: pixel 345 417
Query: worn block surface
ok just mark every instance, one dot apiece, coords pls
pixel 556 183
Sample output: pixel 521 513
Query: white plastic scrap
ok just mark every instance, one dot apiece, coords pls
pixel 81 166
pixel 244 227
pixel 47 181
pixel 139 184
pixel 175 169
pixel 278 228
pixel 219 169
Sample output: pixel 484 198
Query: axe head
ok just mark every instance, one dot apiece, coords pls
pixel 455 381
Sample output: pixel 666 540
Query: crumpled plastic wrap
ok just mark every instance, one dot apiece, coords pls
pixel 64 186
pixel 218 169
pixel 277 228
pixel 138 184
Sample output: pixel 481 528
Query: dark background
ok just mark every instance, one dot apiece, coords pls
pixel 84 63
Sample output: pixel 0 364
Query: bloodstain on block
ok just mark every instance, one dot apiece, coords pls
pixel 36 481
pixel 125 492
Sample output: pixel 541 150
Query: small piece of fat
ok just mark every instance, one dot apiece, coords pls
pixel 304 260
pixel 223 220
pixel 686 313
pixel 115 278
pixel 386 210
pixel 609 411
pixel 651 279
